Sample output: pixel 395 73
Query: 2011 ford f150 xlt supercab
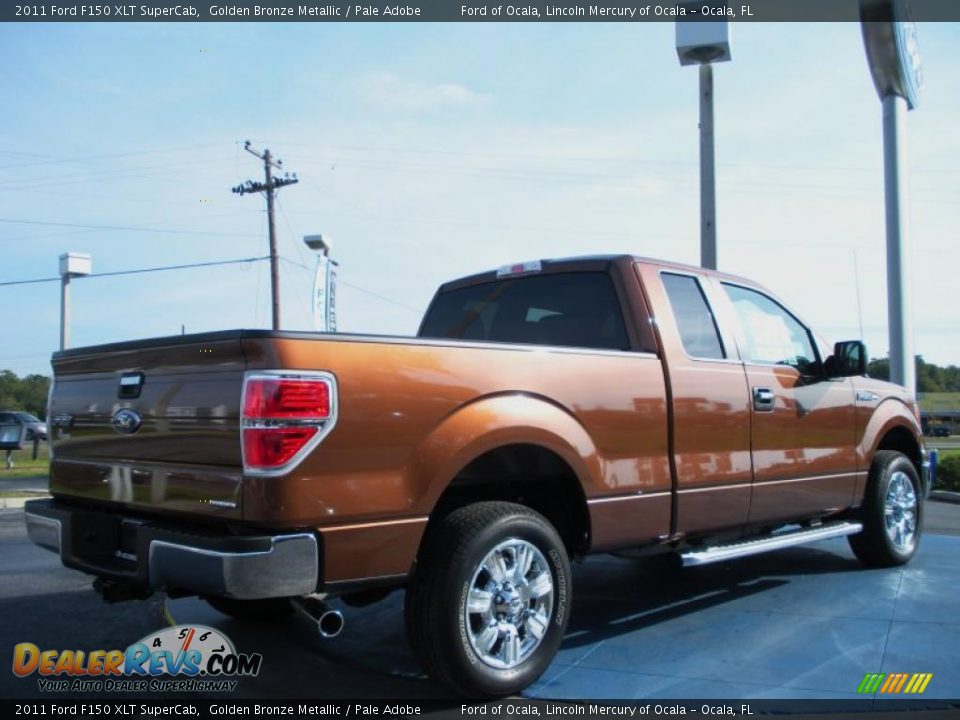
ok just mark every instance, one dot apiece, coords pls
pixel 545 411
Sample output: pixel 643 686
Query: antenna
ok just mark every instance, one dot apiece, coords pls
pixel 856 278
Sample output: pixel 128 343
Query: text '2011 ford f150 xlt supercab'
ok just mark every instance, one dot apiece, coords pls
pixel 545 411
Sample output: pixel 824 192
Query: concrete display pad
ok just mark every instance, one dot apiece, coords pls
pixel 802 623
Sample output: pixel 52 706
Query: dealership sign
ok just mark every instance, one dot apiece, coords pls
pixel 890 37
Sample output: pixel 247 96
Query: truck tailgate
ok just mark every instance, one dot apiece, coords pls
pixel 153 425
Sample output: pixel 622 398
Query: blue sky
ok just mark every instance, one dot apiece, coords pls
pixel 429 151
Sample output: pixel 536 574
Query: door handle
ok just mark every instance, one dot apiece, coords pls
pixel 763 399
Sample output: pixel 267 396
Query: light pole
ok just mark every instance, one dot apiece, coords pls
pixel 324 284
pixel 704 43
pixel 71 265
pixel 893 54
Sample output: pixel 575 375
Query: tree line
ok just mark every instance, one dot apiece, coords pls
pixel 930 378
pixel 28 393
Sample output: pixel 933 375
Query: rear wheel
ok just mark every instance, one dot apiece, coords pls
pixel 254 610
pixel 490 599
pixel 892 512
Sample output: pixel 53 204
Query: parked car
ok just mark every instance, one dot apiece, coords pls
pixel 35 427
pixel 940 431
pixel 546 410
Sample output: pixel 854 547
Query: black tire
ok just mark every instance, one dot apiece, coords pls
pixel 874 546
pixel 448 568
pixel 252 610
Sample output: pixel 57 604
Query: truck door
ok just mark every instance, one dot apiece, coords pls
pixel 803 425
pixel 710 409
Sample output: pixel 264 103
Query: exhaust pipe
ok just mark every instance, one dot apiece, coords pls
pixel 329 622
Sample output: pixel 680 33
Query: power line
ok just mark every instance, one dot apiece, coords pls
pixel 364 290
pixel 599 179
pixel 56 160
pixel 88 226
pixel 161 268
pixel 306 308
pixel 619 158
pixel 113 173
pixel 419 311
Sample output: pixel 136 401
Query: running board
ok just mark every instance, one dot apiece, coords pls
pixel 729 551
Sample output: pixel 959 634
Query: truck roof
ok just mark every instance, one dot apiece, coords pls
pixel 586 262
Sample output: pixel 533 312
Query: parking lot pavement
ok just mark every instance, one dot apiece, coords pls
pixel 941 518
pixel 37 483
pixel 53 607
pixel 44 603
pixel 802 623
pixel 806 622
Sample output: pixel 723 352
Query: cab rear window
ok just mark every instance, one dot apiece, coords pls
pixel 578 309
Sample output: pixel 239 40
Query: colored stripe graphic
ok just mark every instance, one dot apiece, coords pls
pixel 919 683
pixel 894 683
pixel 871 683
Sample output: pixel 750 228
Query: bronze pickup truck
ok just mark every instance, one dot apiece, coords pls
pixel 545 411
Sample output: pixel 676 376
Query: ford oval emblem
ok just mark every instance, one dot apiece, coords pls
pixel 126 421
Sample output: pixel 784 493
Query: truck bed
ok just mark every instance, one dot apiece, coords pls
pixel 397 393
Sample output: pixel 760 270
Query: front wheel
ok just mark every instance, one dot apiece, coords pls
pixel 490 599
pixel 892 512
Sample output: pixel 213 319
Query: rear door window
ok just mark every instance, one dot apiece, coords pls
pixel 697 326
pixel 577 309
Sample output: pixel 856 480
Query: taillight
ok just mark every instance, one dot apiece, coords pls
pixel 284 398
pixel 284 416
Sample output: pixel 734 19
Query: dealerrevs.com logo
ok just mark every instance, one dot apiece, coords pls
pixel 188 658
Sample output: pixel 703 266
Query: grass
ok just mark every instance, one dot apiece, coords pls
pixel 9 494
pixel 23 463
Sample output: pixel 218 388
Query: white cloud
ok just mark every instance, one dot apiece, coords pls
pixel 391 92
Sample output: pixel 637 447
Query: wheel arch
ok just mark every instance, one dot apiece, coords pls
pixel 526 474
pixel 901 438
pixel 891 426
pixel 517 448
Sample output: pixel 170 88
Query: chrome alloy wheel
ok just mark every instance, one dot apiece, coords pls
pixel 900 511
pixel 509 604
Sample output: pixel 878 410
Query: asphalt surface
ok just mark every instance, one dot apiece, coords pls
pixel 54 607
pixel 800 623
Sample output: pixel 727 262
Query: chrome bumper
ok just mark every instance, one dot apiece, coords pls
pixel 287 568
pixel 928 468
pixel 927 477
pixel 174 559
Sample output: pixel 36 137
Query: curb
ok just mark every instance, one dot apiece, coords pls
pixel 945 496
pixel 18 502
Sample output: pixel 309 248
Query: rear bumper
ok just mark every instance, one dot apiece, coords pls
pixel 160 556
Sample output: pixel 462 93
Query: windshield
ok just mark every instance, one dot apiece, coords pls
pixel 27 418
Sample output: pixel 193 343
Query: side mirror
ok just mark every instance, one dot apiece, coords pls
pixel 849 359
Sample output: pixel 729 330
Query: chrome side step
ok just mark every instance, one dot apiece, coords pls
pixel 729 551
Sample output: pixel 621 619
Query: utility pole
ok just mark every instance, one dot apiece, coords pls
pixel 269 187
pixel 72 265
pixel 893 53
pixel 708 181
pixel 705 43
